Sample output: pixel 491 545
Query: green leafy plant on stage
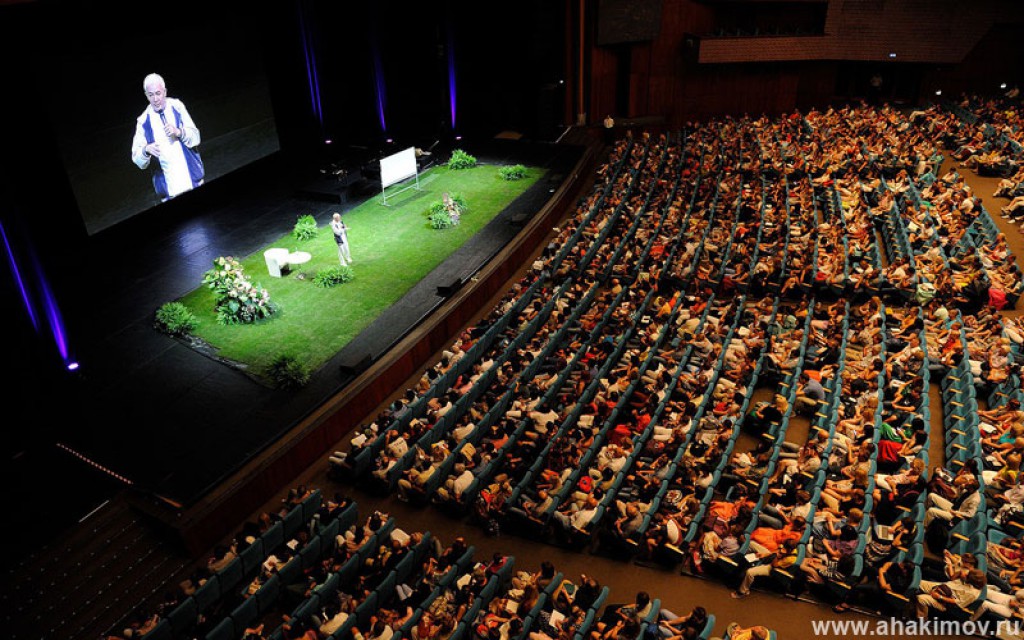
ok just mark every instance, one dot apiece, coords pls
pixel 305 228
pixel 440 220
pixel 333 276
pixel 457 199
pixel 461 160
pixel 175 319
pixel 236 299
pixel 443 217
pixel 286 372
pixel 512 172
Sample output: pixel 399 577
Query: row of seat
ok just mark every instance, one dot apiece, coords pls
pixel 225 586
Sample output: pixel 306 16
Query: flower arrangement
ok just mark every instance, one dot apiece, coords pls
pixel 238 301
pixel 447 212
pixel 461 160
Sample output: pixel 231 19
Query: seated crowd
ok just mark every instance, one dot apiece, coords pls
pixel 820 256
pixel 444 591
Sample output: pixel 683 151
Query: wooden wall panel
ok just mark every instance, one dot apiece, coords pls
pixel 640 79
pixel 664 83
pixel 604 69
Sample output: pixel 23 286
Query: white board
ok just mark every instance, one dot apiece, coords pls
pixel 397 167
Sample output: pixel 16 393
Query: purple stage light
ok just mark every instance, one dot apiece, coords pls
pixel 311 73
pixel 72 366
pixel 378 83
pixel 451 72
pixel 328 141
pixel 53 315
pixel 49 301
pixel 16 272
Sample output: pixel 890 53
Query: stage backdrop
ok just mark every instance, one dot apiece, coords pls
pixel 211 62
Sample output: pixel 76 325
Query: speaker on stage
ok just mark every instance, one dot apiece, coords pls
pixel 352 369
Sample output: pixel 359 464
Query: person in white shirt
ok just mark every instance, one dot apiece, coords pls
pixel 578 519
pixel 969 500
pixel 542 417
pixel 165 131
pixel 379 630
pixel 333 617
pixel 466 427
pixel 341 238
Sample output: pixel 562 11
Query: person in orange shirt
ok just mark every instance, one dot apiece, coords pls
pixel 724 510
pixel 767 540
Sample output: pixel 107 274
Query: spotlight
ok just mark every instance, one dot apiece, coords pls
pixel 938 92
pixel 561 82
pixel 457 138
pixel 390 141
pixel 328 141
pixel 1002 86
pixel 72 366
pixel 892 54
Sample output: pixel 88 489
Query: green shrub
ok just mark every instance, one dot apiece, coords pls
pixel 286 372
pixel 461 160
pixel 332 276
pixel 174 318
pixel 305 228
pixel 512 172
pixel 440 220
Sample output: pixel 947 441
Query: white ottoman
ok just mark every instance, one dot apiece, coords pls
pixel 277 259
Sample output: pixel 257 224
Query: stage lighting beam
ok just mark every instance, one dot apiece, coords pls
pixel 312 75
pixel 451 73
pixel 18 279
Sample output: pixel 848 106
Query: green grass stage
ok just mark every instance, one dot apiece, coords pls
pixel 392 248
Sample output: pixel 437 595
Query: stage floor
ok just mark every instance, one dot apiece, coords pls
pixel 173 421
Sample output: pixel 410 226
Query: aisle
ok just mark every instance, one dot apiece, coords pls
pixel 984 187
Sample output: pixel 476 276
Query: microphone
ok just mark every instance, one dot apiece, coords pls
pixel 163 119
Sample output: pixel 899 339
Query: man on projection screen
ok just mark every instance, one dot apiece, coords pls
pixel 165 131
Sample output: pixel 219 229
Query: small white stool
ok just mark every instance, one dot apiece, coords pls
pixel 277 259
